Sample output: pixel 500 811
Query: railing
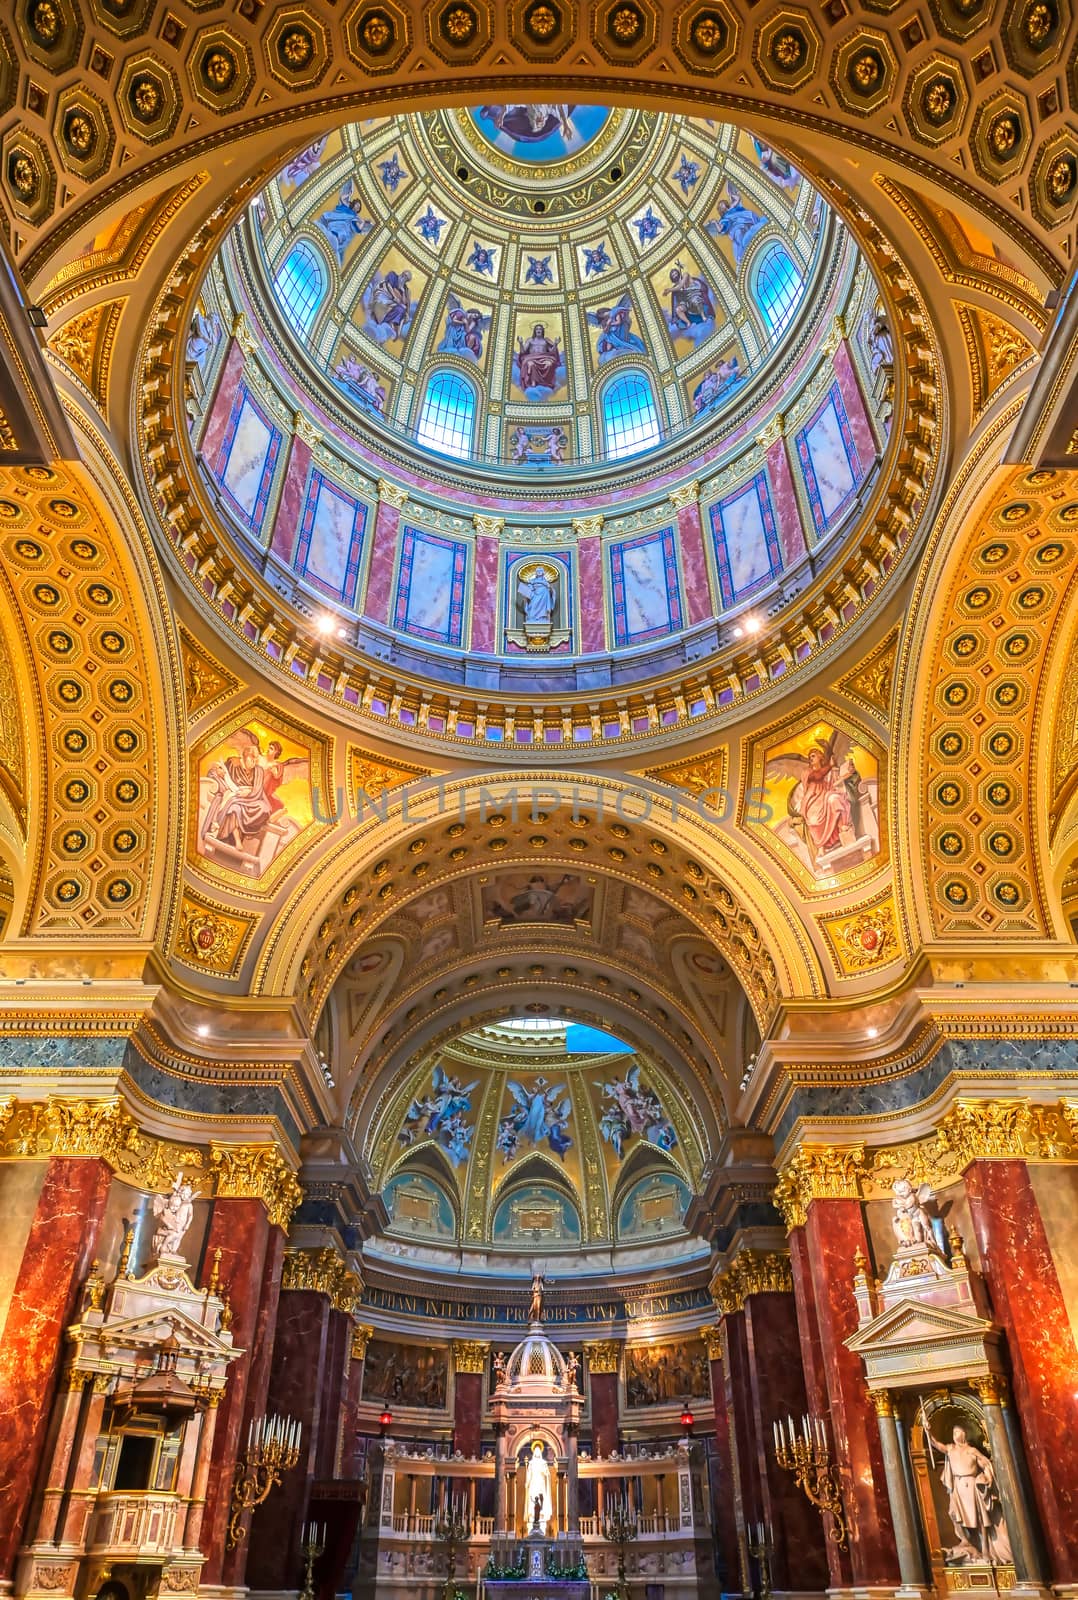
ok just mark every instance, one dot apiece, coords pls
pixel 136 1524
pixel 420 1525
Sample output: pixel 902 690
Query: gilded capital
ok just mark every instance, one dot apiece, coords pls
pixel 323 1272
pixel 751 1272
pixel 257 1172
pixel 883 1401
pixel 391 494
pixel 470 1355
pixel 362 1334
pixel 687 494
pixel 819 1172
pixel 712 1338
pixel 488 527
pixel 1007 1130
pixel 990 1389
pixel 604 1355
pixel 588 527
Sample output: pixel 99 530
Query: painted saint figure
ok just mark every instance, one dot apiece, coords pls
pixel 343 223
pixel 692 310
pixel 973 1503
pixel 736 221
pixel 389 301
pixel 538 360
pixel 615 324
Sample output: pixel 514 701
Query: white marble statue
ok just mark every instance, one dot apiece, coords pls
pixel 537 1488
pixel 175 1212
pixel 910 1219
pixel 973 1503
pixel 881 345
pixel 538 596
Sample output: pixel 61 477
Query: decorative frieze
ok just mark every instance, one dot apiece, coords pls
pixel 751 1272
pixel 323 1272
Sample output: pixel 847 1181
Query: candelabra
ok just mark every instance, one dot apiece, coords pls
pixel 452 1528
pixel 760 1548
pixel 272 1449
pixel 620 1528
pixel 808 1456
pixel 312 1544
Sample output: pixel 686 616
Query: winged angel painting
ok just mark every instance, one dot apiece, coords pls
pixel 439 1114
pixel 539 1112
pixel 822 792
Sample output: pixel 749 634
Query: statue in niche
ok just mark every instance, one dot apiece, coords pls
pixel 572 1368
pixel 910 1219
pixel 538 596
pixel 175 1212
pixel 973 1503
pixel 499 1369
pixel 881 345
pixel 537 1488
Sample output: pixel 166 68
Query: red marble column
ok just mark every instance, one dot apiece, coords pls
pixel 56 1258
pixel 338 1354
pixel 834 1232
pixel 694 564
pixel 290 507
pixel 485 594
pixel 353 1391
pixel 815 1378
pixel 785 503
pixel 777 1391
pixel 295 1390
pixel 724 1490
pixel 376 601
pixel 467 1412
pixel 240 1230
pixel 233 1565
pixel 604 1412
pixel 747 1504
pixel 589 561
pixel 854 401
pixel 1028 1302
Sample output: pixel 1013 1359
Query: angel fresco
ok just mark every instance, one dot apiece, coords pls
pixel 464 330
pixel 343 223
pixel 439 1115
pixel 630 1107
pixel 692 309
pixel 539 1113
pixel 721 378
pixel 301 167
pixel 389 305
pixel 243 822
pixel 616 336
pixel 530 124
pixel 735 221
pixel 778 169
pixel 830 819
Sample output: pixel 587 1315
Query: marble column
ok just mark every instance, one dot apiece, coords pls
pixel 55 1259
pixel 723 1492
pixel 331 1403
pixel 295 1390
pixel 572 1481
pixel 234 1568
pixel 500 1486
pixel 66 1432
pixel 603 1381
pixel 1028 1301
pixel 745 1485
pixel 467 1412
pixel 834 1232
pixel 236 1249
pixel 907 1541
pixel 777 1390
pixel 349 1457
pixel 1016 1509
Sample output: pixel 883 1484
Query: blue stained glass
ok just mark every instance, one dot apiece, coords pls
pixel 300 282
pixel 778 287
pixel 630 418
pixel 448 415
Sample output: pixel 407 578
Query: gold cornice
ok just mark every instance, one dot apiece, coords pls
pixel 751 1272
pixel 604 1355
pixel 470 1355
pixel 323 1272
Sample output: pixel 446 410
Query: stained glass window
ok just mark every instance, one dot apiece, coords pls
pixel 630 418
pixel 301 284
pixel 778 287
pixel 448 415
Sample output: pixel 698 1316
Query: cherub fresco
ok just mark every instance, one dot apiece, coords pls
pixel 539 270
pixel 823 790
pixel 464 329
pixel 540 446
pixel 777 167
pixel 301 167
pixel 244 823
pixel 343 223
pixel 616 336
pixel 720 379
pixel 629 1107
pixel 596 259
pixel 439 1115
pixel 539 1112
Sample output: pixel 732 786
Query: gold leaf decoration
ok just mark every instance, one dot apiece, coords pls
pixel 85 343
pixel 370 776
pixel 205 681
pixel 870 682
pixel 866 937
pixel 995 349
pixel 703 777
pixel 211 938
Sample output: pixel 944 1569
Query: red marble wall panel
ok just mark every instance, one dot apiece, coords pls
pixel 349 1446
pixel 485 621
pixel 378 594
pixel 467 1412
pixel 232 369
pixel 785 504
pixel 290 509
pixel 778 1391
pixel 56 1258
pixel 589 557
pixel 860 426
pixel 240 1230
pixel 604 1412
pixel 694 564
pixel 834 1232
pixel 1028 1301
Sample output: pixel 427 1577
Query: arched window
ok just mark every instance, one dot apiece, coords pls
pixel 778 287
pixel 300 282
pixel 447 419
pixel 630 417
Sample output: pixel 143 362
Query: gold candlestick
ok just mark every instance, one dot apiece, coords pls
pixel 808 1456
pixel 272 1450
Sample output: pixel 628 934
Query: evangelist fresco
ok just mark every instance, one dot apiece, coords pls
pixel 630 1110
pixel 465 330
pixel 539 1113
pixel 254 798
pixel 512 898
pixel 734 224
pixel 820 800
pixel 653 1208
pixel 666 1374
pixel 615 335
pixel 688 299
pixel 537 1214
pixel 441 1112
pixel 344 223
pixel 540 133
pixel 405 1374
pixel 418 1207
pixel 390 300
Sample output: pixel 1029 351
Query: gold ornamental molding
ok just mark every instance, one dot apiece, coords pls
pixel 751 1272
pixel 604 1355
pixel 470 1355
pixel 323 1272
pixel 105 1130
pixel 972 1130
pixel 362 1334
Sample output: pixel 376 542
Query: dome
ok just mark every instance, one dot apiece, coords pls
pixel 536 1366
